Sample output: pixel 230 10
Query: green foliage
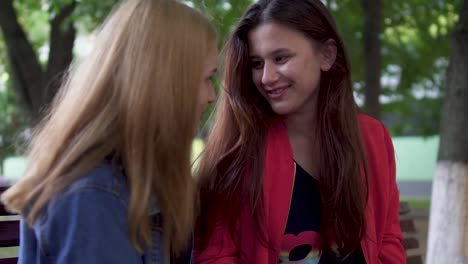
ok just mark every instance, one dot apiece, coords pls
pixel 415 47
pixel 415 41
pixel 416 38
pixel 12 120
pixel 224 13
pixel 35 21
pixel 3 54
pixel 90 13
pixel 349 20
pixel 35 17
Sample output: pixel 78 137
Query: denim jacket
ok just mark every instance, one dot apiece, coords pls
pixel 88 223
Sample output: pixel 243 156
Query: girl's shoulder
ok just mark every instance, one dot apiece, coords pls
pixel 104 185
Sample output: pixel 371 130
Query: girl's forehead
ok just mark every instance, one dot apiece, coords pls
pixel 270 38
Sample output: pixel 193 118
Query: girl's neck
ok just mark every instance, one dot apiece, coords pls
pixel 301 125
pixel 302 137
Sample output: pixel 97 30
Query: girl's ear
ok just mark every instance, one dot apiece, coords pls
pixel 328 53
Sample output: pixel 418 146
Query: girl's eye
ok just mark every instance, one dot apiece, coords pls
pixel 281 59
pixel 257 64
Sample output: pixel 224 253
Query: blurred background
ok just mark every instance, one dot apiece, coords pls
pixel 399 51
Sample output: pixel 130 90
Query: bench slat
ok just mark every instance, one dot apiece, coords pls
pixel 3 211
pixel 410 243
pixel 9 233
pixel 414 260
pixel 407 225
pixel 9 261
pixel 3 188
pixel 403 208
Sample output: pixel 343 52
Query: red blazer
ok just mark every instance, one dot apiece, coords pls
pixel 382 243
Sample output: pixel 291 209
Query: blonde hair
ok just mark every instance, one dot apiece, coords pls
pixel 133 96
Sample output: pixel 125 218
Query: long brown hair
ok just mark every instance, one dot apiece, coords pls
pixel 133 97
pixel 231 167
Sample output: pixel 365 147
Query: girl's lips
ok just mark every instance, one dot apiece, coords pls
pixel 277 93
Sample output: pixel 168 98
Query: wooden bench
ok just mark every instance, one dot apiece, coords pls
pixel 410 241
pixel 9 232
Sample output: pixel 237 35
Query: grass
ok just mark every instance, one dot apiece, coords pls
pixel 420 203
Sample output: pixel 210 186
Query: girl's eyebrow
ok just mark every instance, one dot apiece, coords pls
pixel 272 53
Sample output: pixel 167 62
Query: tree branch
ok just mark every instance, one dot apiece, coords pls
pixel 62 39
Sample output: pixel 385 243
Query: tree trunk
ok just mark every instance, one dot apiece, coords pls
pixel 448 227
pixel 24 67
pixel 33 86
pixel 372 53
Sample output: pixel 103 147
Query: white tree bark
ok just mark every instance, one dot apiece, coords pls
pixel 448 223
pixel 448 227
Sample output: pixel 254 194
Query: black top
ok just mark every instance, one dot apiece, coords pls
pixel 301 241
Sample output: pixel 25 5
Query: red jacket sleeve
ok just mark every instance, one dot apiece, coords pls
pixel 391 250
pixel 221 248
